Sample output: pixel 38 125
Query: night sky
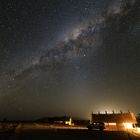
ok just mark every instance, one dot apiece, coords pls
pixel 69 57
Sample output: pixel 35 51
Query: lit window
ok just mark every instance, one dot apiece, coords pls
pixel 112 123
pixel 128 125
pixel 138 129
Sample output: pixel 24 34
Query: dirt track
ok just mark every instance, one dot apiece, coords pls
pixel 66 134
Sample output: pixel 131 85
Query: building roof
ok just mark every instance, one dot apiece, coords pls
pixel 114 118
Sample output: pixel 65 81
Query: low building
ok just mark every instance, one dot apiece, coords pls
pixel 115 121
pixel 61 120
pixel 64 120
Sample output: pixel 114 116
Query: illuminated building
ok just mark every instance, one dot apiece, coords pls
pixel 115 121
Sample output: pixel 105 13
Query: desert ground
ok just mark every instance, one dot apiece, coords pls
pixel 49 132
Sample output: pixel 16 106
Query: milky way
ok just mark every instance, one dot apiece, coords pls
pixel 92 64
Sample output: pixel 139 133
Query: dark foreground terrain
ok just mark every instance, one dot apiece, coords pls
pixel 66 134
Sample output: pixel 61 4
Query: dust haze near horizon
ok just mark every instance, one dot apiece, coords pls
pixel 69 57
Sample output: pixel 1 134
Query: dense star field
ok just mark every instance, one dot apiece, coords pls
pixel 68 57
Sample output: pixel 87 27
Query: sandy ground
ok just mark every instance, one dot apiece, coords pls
pixel 43 132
